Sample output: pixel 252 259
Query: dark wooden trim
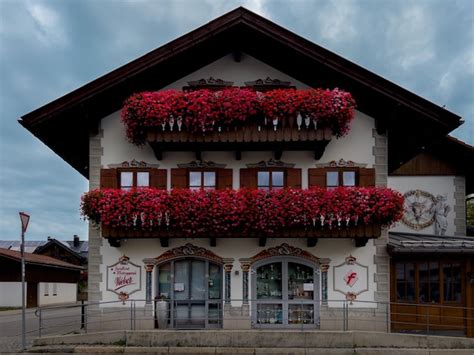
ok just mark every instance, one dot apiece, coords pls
pixel 239 147
pixel 237 56
pixel 164 242
pixel 213 242
pixel 114 243
pixel 355 232
pixel 262 241
pixel 426 164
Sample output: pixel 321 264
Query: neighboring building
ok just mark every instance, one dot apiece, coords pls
pixel 73 251
pixel 431 257
pixel 48 280
pixel 259 274
pixel 76 247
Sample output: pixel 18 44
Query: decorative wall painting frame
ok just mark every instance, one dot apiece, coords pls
pixel 124 278
pixel 351 278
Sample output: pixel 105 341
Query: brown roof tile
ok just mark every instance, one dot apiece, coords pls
pixel 37 259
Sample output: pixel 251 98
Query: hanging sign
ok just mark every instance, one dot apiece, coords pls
pixel 124 278
pixel 351 278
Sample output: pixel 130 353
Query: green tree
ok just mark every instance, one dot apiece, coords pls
pixel 470 212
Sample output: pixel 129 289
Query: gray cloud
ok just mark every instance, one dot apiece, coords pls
pixel 49 48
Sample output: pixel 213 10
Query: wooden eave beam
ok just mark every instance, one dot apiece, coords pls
pixel 311 242
pixel 114 242
pixel 361 242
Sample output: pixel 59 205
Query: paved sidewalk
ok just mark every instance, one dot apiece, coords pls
pixel 55 322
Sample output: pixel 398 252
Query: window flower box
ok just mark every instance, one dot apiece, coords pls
pixel 341 212
pixel 237 115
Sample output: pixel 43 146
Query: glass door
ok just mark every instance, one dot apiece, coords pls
pixel 193 288
pixel 269 293
pixel 287 294
pixel 300 294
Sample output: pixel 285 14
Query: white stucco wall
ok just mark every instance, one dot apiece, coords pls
pixel 335 249
pixel 65 293
pixel 435 185
pixel 10 294
pixel 356 146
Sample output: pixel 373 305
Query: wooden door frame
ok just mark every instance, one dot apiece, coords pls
pixel 30 292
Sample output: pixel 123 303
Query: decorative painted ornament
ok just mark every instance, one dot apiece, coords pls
pixel 418 209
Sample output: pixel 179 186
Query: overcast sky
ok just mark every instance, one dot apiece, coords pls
pixel 49 48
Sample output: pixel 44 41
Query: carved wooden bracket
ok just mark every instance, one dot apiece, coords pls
pixel 271 164
pixel 341 164
pixel 269 84
pixel 201 164
pixel 133 164
pixel 210 84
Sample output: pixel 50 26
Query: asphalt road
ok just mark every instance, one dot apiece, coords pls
pixel 54 322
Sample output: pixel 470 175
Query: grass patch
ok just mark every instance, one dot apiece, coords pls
pixel 8 308
pixel 120 342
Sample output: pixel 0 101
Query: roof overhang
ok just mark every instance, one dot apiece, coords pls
pixel 411 243
pixel 44 264
pixel 412 122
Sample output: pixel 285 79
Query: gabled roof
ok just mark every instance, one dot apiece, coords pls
pixel 36 259
pixel 66 123
pixel 61 244
pixel 32 245
pixel 454 155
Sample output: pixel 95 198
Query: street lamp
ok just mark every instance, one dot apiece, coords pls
pixel 24 218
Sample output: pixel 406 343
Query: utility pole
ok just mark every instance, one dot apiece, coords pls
pixel 24 225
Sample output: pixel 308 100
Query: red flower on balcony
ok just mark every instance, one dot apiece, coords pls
pixel 236 105
pixel 202 111
pixel 251 212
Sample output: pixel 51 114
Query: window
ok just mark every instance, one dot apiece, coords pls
pixel 131 179
pixel 46 289
pixel 340 178
pixel 270 180
pixel 428 281
pixel 428 274
pixel 55 289
pixel 202 180
pixel 452 287
pixel 405 278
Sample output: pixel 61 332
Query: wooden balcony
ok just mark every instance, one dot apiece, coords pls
pixel 360 234
pixel 286 135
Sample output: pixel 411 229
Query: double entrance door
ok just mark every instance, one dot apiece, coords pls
pixel 193 288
